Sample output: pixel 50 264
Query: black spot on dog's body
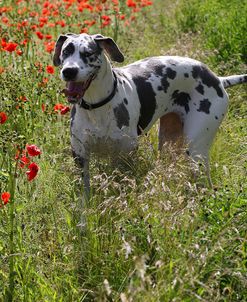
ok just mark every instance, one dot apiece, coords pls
pixel 186 75
pixel 204 106
pixel 148 103
pixel 68 51
pixel 216 117
pixel 169 74
pixel 160 69
pixel 207 77
pixel 125 101
pixel 200 88
pixel 181 99
pixel 122 115
pixel 146 94
pixel 156 66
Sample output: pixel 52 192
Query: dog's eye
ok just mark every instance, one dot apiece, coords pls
pixel 66 52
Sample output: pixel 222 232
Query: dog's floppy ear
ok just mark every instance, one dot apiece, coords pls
pixel 58 47
pixel 110 47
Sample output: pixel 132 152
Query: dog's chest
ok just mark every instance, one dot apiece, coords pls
pixel 103 133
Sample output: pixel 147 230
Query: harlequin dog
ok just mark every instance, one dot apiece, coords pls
pixel 113 106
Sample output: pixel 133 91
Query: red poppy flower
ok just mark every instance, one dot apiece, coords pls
pixel 121 17
pixel 50 69
pixel 131 3
pixel 19 52
pixel 84 30
pixel 3 42
pixel 48 37
pixel 5 20
pixel 64 110
pixel 33 150
pixel 5 196
pixel 39 35
pixel 107 20
pixel 58 107
pixel 49 46
pixel 24 42
pixel 3 117
pixel 11 46
pixel 24 161
pixel 146 3
pixel 89 22
pixel 33 171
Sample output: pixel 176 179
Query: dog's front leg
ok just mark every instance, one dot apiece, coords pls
pixel 86 179
pixel 83 163
pixel 85 198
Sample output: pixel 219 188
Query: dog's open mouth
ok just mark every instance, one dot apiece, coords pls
pixel 74 91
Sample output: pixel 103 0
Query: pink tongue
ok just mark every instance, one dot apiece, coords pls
pixel 75 89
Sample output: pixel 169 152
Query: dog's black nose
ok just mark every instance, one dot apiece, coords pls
pixel 70 73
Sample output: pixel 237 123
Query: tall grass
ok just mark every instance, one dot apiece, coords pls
pixel 222 25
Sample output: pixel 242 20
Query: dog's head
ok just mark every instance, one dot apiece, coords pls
pixel 80 58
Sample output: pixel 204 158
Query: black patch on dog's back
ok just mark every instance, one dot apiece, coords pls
pixel 207 77
pixel 181 99
pixel 147 100
pixel 204 106
pixel 145 92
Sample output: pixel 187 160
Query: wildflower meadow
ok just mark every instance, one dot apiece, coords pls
pixel 153 233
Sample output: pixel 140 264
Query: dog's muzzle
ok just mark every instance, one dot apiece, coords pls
pixel 69 74
pixel 75 91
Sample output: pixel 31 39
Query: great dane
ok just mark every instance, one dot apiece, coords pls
pixel 113 106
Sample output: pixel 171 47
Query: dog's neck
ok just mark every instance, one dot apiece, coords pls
pixel 102 86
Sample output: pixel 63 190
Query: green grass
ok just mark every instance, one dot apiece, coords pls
pixel 153 233
pixel 221 24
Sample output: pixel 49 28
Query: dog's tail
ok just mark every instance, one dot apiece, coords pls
pixel 233 80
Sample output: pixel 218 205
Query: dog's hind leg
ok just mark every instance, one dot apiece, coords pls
pixel 170 130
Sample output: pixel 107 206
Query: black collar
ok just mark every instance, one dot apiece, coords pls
pixel 89 106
